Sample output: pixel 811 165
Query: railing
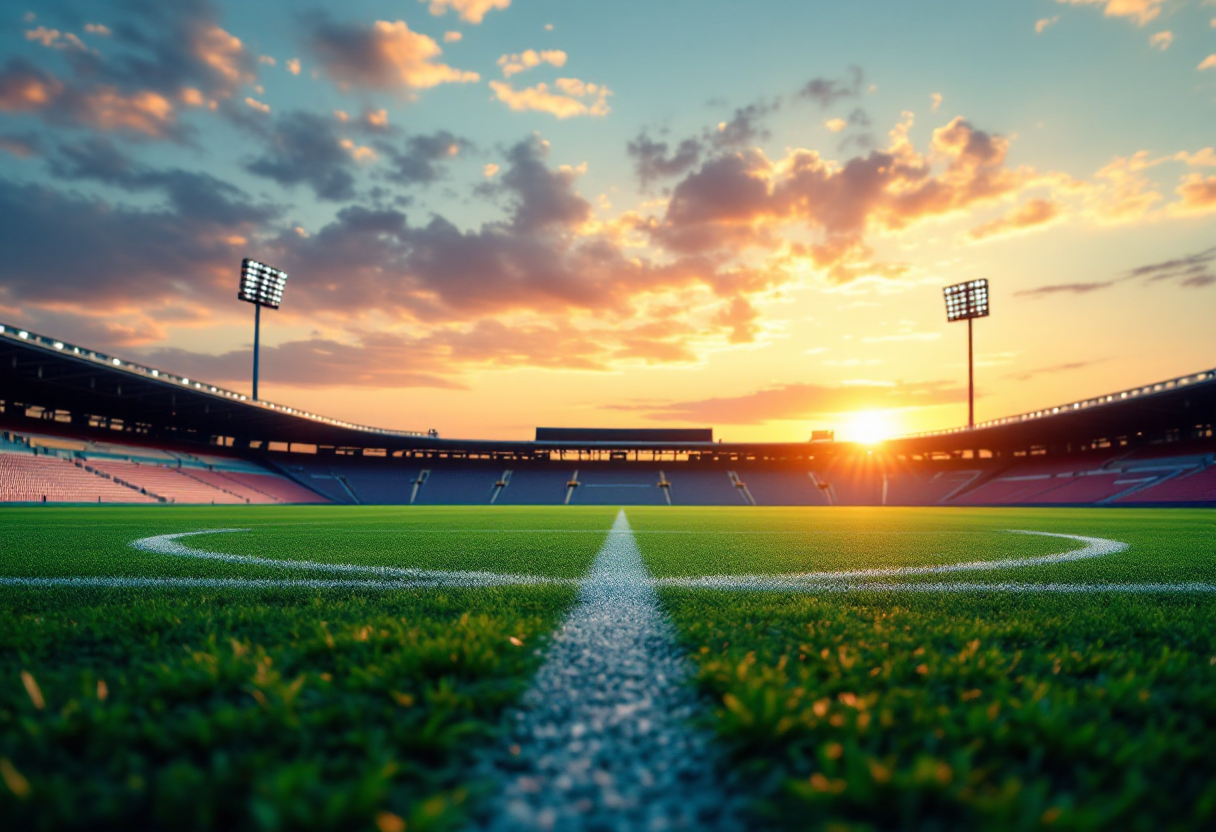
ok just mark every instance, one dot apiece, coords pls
pixel 16 334
pixel 1204 377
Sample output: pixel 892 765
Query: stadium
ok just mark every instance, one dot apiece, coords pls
pixel 82 426
pixel 606 456
pixel 506 530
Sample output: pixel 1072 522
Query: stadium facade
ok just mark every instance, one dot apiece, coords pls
pixel 133 433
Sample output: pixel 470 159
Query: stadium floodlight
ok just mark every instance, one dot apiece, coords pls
pixel 261 285
pixel 966 302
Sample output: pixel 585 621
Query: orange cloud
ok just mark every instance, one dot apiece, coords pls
pixel 470 11
pixel 513 64
pixel 1042 24
pixel 223 53
pixel 744 200
pixel 293 66
pixel 574 98
pixel 1142 11
pixel 258 105
pixel 799 401
pixel 144 112
pixel 24 88
pixel 1161 40
pixel 98 29
pixel 835 124
pixel 452 37
pixel 1198 196
pixel 360 153
pixel 1033 214
pixel 387 56
pixel 1207 63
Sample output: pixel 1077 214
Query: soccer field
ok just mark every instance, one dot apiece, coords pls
pixel 362 667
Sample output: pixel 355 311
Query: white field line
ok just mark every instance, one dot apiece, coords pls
pixel 167 544
pixel 1095 547
pixel 102 582
pixel 602 740
pixel 389 577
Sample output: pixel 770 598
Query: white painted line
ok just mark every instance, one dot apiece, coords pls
pixel 167 544
pixel 603 739
pixel 389 577
pixel 1095 547
pixel 102 582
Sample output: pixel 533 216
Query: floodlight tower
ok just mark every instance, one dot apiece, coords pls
pixel 261 285
pixel 966 302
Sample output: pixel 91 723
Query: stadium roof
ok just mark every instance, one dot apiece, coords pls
pixel 43 372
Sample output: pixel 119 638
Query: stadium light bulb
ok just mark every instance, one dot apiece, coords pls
pixel 261 284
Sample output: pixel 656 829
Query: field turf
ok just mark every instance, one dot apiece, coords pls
pixel 992 710
pixel 297 708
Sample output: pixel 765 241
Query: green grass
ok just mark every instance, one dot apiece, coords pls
pixel 278 709
pixel 48 542
pixel 992 711
pixel 295 709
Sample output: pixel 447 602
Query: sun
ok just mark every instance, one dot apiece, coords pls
pixel 870 427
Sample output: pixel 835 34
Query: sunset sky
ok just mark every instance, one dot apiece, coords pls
pixel 498 214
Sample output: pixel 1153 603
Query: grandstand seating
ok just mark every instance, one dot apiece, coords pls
pixel 28 477
pixel 173 485
pixel 1195 487
pixel 266 488
pixel 64 468
pixel 908 488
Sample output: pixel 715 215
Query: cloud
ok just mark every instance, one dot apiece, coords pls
pixel 1026 375
pixel 1191 271
pixel 422 159
pixel 741 318
pixel 935 101
pixel 108 259
pixel 306 149
pixel 1161 40
pixel 377 362
pixel 572 98
pixel 23 146
pixel 1032 214
pixel 1198 196
pixel 835 124
pixel 1177 268
pixel 514 64
pixel 743 199
pixel 744 129
pixel 651 160
pixel 293 65
pixel 384 56
pixel 490 169
pixel 800 401
pixel 1065 288
pixel 1143 11
pixel 1207 63
pixel 197 197
pixel 25 88
pixel 158 54
pixel 101 30
pixel 1043 24
pixel 54 39
pixel 827 91
pixel 258 105
pixel 470 11
pixel 452 37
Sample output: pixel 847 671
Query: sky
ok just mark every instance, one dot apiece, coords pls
pixel 502 214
